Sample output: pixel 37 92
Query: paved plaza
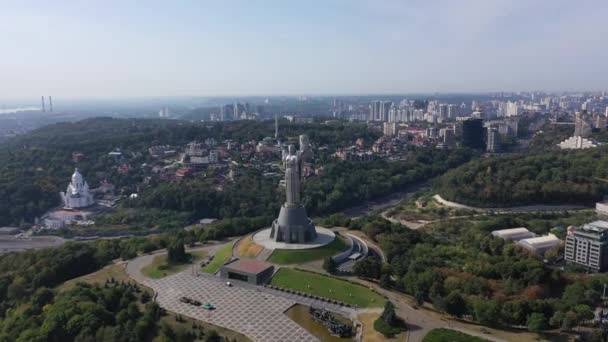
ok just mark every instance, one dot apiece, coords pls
pixel 253 311
pixel 324 237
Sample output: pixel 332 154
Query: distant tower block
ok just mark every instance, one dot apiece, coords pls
pixel 276 127
pixel 43 107
pixel 50 103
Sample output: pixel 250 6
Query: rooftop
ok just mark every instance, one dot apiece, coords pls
pixel 540 239
pixel 249 266
pixel 595 227
pixel 512 230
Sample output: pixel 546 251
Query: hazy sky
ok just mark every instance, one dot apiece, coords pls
pixel 224 47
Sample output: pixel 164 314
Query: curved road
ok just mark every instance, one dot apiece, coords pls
pixel 419 322
pixel 520 209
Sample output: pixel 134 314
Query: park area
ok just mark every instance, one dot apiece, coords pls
pixel 327 287
pixel 220 257
pixel 160 267
pixel 300 256
pixel 443 335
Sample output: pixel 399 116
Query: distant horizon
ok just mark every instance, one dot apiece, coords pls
pixel 314 95
pixel 241 48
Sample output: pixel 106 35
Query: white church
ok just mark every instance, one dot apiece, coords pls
pixel 77 194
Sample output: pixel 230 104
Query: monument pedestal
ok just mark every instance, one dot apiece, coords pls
pixel 293 226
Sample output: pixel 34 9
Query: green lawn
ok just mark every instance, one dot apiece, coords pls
pixel 220 258
pixel 447 335
pixel 292 256
pixel 159 267
pixel 328 287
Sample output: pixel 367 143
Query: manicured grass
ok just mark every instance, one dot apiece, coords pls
pixel 221 256
pixel 447 335
pixel 247 248
pixel 292 256
pixel 160 268
pixel 327 287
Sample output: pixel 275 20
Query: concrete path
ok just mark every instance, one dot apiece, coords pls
pixel 420 323
pixel 264 254
pixel 520 209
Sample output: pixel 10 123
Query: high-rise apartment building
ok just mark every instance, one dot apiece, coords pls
pixel 453 111
pixel 443 111
pixel 385 107
pixel 493 144
pixel 588 246
pixel 374 111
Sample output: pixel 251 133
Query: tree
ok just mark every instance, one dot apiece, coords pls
pixel 420 297
pixel 486 311
pixel 569 321
pixel 213 336
pixel 368 268
pixel 583 312
pixel 388 314
pixel 385 281
pixel 176 252
pixel 329 265
pixel 557 319
pixel 454 304
pixel 537 322
pixel 42 296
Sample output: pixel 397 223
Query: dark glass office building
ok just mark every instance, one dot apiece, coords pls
pixel 472 134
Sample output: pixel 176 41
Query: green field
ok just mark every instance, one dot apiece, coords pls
pixel 292 256
pixel 221 256
pixel 159 267
pixel 328 287
pixel 447 335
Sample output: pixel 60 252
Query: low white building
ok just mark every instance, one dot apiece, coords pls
pixel 601 208
pixel 514 234
pixel 577 142
pixel 541 244
pixel 63 217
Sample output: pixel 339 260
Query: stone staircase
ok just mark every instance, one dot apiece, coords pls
pixel 264 254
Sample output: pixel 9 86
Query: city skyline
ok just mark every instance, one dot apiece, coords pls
pixel 119 49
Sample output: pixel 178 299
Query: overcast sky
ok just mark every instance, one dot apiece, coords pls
pixel 223 47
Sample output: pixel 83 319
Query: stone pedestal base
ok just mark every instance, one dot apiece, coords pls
pixel 293 226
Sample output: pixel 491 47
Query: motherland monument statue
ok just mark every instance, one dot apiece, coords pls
pixel 293 224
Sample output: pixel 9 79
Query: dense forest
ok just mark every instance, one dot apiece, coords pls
pixel 34 167
pixel 465 272
pixel 549 136
pixel 552 177
pixel 34 308
pixel 342 184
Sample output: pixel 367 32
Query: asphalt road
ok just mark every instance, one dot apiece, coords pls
pixel 384 202
pixel 420 323
pixel 11 244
